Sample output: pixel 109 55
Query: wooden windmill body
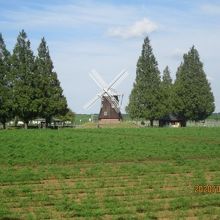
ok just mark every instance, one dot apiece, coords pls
pixel 107 113
pixel 110 108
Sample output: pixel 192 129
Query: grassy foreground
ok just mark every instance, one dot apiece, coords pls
pixel 109 173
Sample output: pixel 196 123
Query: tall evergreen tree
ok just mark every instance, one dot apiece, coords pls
pixel 24 80
pixel 166 92
pixel 52 100
pixel 5 84
pixel 144 100
pixel 194 99
pixel 166 78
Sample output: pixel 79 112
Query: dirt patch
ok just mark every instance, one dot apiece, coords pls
pixel 50 182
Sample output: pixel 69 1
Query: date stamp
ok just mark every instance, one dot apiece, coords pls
pixel 207 189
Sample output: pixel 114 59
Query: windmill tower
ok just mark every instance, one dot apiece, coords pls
pixel 110 107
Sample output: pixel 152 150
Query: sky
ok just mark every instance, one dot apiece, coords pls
pixel 108 36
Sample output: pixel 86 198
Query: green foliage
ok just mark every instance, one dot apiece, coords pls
pixel 24 80
pixel 69 116
pixel 180 203
pixel 99 173
pixel 50 94
pixel 5 84
pixel 166 93
pixel 83 118
pixel 190 98
pixel 167 80
pixel 193 99
pixel 29 86
pixel 144 100
pixel 215 116
pixel 40 147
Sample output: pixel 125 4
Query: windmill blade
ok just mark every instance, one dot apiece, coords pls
pixel 92 101
pixel 118 82
pixel 99 79
pixel 116 79
pixel 107 91
pixel 95 80
pixel 113 101
pixel 111 91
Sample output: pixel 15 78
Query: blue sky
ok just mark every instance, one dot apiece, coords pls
pixel 108 36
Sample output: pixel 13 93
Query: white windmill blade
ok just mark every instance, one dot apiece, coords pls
pixel 113 92
pixel 118 82
pixel 116 78
pixel 99 79
pixel 113 102
pixel 112 97
pixel 95 80
pixel 92 101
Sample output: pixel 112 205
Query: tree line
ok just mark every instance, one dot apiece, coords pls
pixel 189 97
pixel 29 86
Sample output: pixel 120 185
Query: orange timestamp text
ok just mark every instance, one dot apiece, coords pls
pixel 207 189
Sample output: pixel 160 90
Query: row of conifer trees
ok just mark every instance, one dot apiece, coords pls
pixel 29 86
pixel 189 97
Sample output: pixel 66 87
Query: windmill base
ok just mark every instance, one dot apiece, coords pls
pixel 109 121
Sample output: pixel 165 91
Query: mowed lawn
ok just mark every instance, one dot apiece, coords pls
pixel 109 173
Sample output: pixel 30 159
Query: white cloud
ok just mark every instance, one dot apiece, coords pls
pixel 138 29
pixel 67 15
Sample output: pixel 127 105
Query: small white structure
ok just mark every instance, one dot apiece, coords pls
pixel 20 123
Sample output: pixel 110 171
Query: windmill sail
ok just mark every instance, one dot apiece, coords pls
pixel 110 108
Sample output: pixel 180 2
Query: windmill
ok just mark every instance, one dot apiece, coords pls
pixel 110 107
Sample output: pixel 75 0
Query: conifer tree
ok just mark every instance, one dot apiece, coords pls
pixel 24 80
pixel 5 84
pixel 194 99
pixel 50 96
pixel 166 92
pixel 166 78
pixel 144 100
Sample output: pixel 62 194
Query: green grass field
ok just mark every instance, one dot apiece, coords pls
pixel 109 173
